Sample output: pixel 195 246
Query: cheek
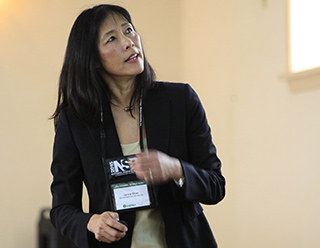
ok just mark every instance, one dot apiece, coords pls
pixel 107 58
pixel 138 42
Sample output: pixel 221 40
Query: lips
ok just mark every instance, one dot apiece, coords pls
pixel 132 57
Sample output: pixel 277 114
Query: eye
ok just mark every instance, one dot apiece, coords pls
pixel 129 30
pixel 112 38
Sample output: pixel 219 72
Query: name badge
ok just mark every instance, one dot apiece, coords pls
pixel 127 192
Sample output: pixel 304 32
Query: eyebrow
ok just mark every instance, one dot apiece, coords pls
pixel 111 31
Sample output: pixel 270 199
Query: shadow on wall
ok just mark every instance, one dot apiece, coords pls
pixel 48 236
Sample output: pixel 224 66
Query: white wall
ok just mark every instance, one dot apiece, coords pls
pixel 33 36
pixel 267 135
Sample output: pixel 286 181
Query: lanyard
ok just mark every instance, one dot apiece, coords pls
pixel 103 136
pixel 141 125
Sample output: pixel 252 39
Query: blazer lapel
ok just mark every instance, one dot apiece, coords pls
pixel 113 147
pixel 112 144
pixel 156 113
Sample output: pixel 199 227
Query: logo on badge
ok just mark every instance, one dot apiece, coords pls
pixel 120 167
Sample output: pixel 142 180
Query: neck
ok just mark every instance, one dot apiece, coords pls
pixel 121 92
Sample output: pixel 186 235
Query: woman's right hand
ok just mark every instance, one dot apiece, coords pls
pixel 106 227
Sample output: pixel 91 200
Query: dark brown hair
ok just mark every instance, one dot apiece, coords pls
pixel 80 85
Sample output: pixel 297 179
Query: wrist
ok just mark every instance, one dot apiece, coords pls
pixel 177 172
pixel 90 223
pixel 178 177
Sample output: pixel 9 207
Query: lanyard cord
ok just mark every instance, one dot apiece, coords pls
pixel 103 138
pixel 141 125
pixel 103 135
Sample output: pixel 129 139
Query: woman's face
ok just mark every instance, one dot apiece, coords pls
pixel 120 49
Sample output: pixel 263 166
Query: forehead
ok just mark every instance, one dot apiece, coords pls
pixel 113 19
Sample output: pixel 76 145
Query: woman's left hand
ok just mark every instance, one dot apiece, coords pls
pixel 156 167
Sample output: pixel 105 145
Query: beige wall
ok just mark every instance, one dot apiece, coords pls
pixel 232 53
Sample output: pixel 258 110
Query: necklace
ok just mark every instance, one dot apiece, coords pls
pixel 128 108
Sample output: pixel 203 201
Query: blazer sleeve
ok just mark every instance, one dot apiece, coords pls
pixel 66 214
pixel 204 181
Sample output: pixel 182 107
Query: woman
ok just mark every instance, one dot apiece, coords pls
pixel 110 106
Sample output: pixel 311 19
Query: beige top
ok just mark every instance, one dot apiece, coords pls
pixel 148 231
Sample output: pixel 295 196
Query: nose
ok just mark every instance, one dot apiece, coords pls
pixel 128 43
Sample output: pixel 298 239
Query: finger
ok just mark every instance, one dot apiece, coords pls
pixel 147 167
pixel 112 230
pixel 111 236
pixel 113 215
pixel 143 167
pixel 140 175
pixel 151 176
pixel 107 234
pixel 143 158
pixel 132 161
pixel 120 227
pixel 114 234
pixel 115 223
pixel 138 165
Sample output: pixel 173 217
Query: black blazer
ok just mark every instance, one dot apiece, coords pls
pixel 175 124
